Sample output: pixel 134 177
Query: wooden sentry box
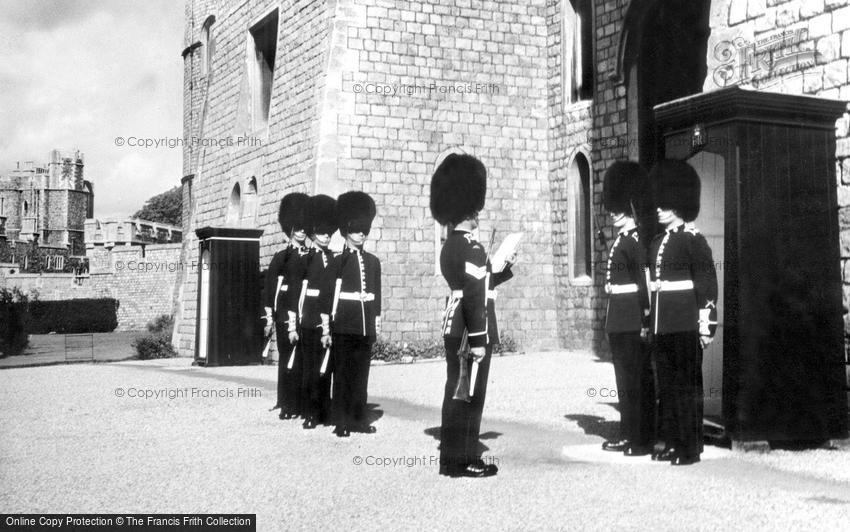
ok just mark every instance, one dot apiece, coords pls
pixel 776 371
pixel 228 327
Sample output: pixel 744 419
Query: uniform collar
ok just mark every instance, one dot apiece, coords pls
pixel 676 228
pixel 628 228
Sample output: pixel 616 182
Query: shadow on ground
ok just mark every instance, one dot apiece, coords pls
pixel 373 413
pixel 596 426
pixel 434 432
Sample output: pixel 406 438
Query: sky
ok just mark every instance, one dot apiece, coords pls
pixel 76 74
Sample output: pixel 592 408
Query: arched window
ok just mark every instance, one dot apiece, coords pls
pixel 580 219
pixel 234 206
pixel 207 45
pixel 250 203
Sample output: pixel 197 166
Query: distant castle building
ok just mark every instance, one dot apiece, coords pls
pixel 47 205
pixel 129 232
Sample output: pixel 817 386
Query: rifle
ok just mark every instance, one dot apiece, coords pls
pixel 464 380
pixel 291 358
pixel 268 344
pixel 644 267
pixel 468 374
pixel 324 367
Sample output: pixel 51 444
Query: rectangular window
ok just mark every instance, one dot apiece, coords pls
pixel 263 45
pixel 577 59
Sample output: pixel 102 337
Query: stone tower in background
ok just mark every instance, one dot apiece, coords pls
pixel 48 204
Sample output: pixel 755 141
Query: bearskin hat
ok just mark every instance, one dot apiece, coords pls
pixel 355 211
pixel 321 215
pixel 676 186
pixel 458 187
pixel 624 185
pixel 291 212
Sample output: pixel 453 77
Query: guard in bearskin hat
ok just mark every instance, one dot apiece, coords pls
pixel 684 313
pixel 628 311
pixel 349 303
pixel 458 188
pixel 279 293
pixel 315 382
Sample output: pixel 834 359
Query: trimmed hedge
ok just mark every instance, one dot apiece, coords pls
pixel 14 320
pixel 423 350
pixel 72 316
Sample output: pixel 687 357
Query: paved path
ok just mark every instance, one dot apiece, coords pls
pixel 73 442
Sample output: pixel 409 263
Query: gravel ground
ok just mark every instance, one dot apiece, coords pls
pixel 70 443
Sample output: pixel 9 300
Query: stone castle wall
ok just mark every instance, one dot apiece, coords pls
pixel 361 101
pixel 143 285
pixel 467 77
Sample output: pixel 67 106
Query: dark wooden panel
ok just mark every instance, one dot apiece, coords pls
pixel 234 333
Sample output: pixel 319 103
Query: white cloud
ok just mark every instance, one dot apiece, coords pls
pixel 78 74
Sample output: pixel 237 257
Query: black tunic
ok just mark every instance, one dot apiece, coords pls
pixel 308 276
pixel 471 306
pixel 625 283
pixel 682 256
pixel 360 293
pixel 283 271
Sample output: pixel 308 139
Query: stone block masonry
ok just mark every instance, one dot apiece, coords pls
pixel 142 282
pixel 368 95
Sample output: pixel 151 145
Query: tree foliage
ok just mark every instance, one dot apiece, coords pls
pixel 165 208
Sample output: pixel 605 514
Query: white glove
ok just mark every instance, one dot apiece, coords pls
pixel 267 328
pixel 377 325
pixel 704 321
pixel 326 325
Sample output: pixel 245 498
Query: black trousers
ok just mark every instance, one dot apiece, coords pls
pixel 679 363
pixel 316 389
pixel 635 387
pixel 461 421
pixel 288 380
pixel 351 354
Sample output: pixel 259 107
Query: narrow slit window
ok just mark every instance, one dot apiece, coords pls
pixel 264 40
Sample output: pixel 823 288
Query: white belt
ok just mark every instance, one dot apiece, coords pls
pixel 671 286
pixel 631 288
pixel 357 296
pixel 491 294
pixel 284 287
pixel 312 292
